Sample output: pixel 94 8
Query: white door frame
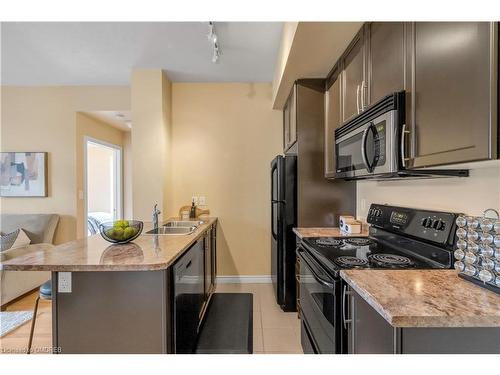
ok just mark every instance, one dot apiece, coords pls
pixel 118 168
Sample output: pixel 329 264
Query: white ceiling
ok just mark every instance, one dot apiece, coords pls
pixel 104 53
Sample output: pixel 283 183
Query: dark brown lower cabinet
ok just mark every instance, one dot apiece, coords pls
pixel 370 333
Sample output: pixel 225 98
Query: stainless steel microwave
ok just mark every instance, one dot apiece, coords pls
pixel 372 145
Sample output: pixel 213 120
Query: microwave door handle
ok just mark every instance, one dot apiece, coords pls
pixel 363 149
pixel 402 145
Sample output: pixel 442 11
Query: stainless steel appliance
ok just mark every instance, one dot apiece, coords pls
pixel 373 144
pixel 399 238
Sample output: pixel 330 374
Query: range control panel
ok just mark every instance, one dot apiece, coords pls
pixel 434 226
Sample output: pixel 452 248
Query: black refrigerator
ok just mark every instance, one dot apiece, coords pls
pixel 283 220
pixel 301 196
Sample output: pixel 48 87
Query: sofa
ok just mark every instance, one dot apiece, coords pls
pixel 40 228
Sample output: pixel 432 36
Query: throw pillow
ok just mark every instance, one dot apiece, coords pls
pixel 22 240
pixel 7 240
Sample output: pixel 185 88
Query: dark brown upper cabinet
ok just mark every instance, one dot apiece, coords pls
pixel 333 118
pixel 290 120
pixel 452 96
pixel 354 78
pixel 386 59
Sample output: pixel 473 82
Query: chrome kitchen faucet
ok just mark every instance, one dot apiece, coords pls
pixel 156 212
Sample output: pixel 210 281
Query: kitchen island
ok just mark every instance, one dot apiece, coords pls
pixel 419 311
pixel 128 298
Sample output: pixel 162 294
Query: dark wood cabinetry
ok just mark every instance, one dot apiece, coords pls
pixel 386 59
pixel 453 93
pixel 354 78
pixel 290 120
pixel 449 71
pixel 333 118
pixel 210 261
pixel 369 333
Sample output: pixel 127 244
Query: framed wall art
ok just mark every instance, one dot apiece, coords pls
pixel 23 174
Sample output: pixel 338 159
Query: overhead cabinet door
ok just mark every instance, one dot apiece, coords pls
pixel 290 121
pixel 332 122
pixel 453 93
pixel 353 76
pixel 386 59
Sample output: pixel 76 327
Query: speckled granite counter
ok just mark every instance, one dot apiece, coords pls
pixel 146 253
pixel 327 232
pixel 425 298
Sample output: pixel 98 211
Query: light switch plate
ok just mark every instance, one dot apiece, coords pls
pixel 64 282
pixel 202 201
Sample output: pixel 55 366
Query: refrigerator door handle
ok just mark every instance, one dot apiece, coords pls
pixel 274 231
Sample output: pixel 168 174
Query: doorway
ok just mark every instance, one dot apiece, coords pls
pixel 103 183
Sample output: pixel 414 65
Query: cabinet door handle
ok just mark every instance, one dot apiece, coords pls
pixel 362 95
pixel 188 264
pixel 402 145
pixel 344 296
pixel 357 98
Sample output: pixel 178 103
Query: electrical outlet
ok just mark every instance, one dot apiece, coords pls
pixel 64 282
pixel 202 201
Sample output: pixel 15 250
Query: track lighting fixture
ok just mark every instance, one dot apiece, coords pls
pixel 212 37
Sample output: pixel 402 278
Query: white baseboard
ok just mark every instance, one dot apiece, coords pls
pixel 247 279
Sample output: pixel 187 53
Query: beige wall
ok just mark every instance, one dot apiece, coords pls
pixel 87 126
pixel 224 138
pixel 470 195
pixel 44 119
pixel 150 93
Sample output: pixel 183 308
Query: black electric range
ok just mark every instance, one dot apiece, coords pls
pixel 399 238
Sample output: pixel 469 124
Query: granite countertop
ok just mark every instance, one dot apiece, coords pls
pixel 328 232
pixel 425 298
pixel 146 253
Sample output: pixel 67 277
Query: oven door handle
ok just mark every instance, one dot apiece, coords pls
pixel 345 321
pixel 315 271
pixel 368 167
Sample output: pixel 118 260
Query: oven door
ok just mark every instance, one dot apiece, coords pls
pixel 370 149
pixel 319 302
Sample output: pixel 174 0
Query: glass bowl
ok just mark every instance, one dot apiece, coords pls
pixel 121 231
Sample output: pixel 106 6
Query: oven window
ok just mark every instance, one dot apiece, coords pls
pixel 348 154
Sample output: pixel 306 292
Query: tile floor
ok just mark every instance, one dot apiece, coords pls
pixel 274 331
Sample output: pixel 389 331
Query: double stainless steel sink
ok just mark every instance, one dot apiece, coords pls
pixel 176 227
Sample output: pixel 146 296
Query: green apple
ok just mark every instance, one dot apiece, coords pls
pixel 118 234
pixel 129 232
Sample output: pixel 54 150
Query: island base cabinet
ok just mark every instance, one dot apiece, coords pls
pixel 370 333
pixel 112 312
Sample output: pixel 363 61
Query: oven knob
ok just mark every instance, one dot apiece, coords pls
pixel 427 222
pixel 438 225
